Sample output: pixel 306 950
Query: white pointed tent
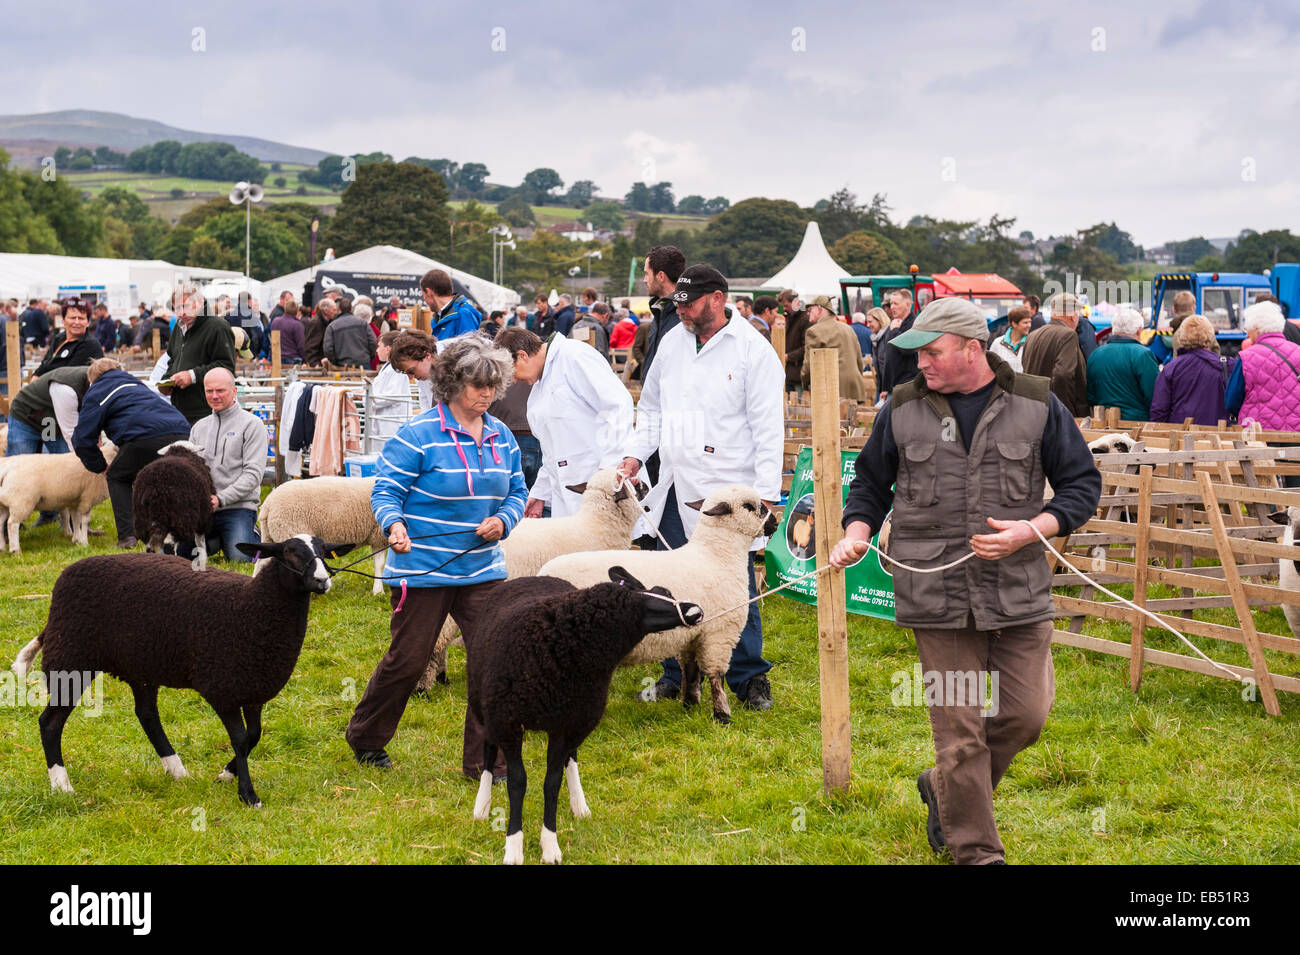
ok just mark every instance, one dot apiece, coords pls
pixel 812 271
pixel 388 259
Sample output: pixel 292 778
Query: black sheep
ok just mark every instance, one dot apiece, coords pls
pixel 171 501
pixel 542 659
pixel 235 639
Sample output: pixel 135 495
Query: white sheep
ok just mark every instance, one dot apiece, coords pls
pixel 604 521
pixel 711 570
pixel 331 508
pixel 51 482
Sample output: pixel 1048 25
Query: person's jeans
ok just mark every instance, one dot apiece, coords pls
pixel 131 458
pixel 24 439
pixel 230 526
pixel 530 455
pixel 747 658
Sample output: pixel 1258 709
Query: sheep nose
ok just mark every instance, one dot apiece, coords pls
pixel 692 614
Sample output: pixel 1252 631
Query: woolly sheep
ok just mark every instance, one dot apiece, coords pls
pixel 171 500
pixel 233 638
pixel 1288 571
pixel 543 659
pixel 50 482
pixel 711 569
pixel 331 508
pixel 604 521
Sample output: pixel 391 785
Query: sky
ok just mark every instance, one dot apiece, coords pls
pixel 1173 119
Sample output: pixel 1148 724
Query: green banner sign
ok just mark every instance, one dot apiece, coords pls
pixel 791 551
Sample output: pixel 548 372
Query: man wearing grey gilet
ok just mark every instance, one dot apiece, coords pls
pixel 969 443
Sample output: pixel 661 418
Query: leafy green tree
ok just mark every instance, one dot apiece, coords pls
pixel 274 249
pixel 755 237
pixel 516 210
pixel 638 197
pixel 207 253
pixel 78 225
pixel 661 197
pixel 395 204
pixel 581 193
pixel 540 184
pixel 1208 263
pixel 691 205
pixel 1083 258
pixel 1257 251
pixel 175 245
pixel 62 155
pixel 280 182
pixel 472 177
pixel 1189 250
pixel 471 249
pixel 715 205
pixel 1119 244
pixel 647 233
pixel 82 161
pixel 605 215
pixel 863 253
pixel 21 229
pixel 177 192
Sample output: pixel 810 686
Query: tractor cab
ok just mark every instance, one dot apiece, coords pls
pixel 1220 296
pixel 860 293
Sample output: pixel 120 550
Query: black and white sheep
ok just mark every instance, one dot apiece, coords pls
pixel 542 660
pixel 171 501
pixel 233 638
pixel 711 569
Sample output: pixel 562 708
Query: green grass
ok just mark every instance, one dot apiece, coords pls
pixel 1184 772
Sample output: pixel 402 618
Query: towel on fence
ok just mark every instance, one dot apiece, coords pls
pixel 338 430
pixel 288 418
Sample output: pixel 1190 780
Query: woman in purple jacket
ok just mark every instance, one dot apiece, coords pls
pixel 1192 384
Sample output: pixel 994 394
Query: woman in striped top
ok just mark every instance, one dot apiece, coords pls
pixel 448 487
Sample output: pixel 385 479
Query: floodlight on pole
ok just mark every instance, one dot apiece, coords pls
pixel 246 193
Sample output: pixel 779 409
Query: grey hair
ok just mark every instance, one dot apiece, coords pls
pixel 471 359
pixel 363 312
pixel 566 300
pixel 1063 303
pixel 1263 317
pixel 1127 322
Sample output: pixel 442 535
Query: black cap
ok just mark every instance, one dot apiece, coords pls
pixel 696 281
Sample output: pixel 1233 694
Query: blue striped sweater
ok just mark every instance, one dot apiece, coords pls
pixel 435 479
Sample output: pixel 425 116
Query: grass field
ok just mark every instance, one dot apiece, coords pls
pixel 1184 772
pixel 156 190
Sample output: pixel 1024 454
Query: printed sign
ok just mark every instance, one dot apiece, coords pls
pixel 791 551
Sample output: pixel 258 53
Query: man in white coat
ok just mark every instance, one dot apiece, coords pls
pixel 578 410
pixel 713 407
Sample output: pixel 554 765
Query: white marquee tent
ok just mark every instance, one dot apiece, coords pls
pixel 812 271
pixel 388 259
pixel 121 283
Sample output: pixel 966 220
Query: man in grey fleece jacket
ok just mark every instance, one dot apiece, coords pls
pixel 233 442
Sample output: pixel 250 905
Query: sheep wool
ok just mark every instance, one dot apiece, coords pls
pixel 711 570
pixel 543 657
pixel 609 511
pixel 234 639
pixel 51 482
pixel 331 508
pixel 171 500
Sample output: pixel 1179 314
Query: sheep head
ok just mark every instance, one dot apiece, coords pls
pixel 303 556
pixel 662 611
pixel 608 485
pixel 737 507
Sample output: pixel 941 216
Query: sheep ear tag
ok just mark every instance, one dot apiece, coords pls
pixel 621 577
pixel 337 550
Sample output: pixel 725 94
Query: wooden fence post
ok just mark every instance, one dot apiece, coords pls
pixel 276 359
pixel 1141 560
pixel 832 625
pixel 778 343
pixel 1240 603
pixel 157 344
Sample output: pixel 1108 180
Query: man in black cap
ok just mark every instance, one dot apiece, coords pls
pixel 969 442
pixel 713 406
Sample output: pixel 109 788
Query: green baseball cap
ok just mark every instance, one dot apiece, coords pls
pixel 949 314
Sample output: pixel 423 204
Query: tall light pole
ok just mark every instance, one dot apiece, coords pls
pixel 502 239
pixel 595 254
pixel 246 194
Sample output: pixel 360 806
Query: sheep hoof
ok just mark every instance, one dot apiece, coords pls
pixel 551 854
pixel 59 780
pixel 225 776
pixel 514 849
pixel 175 768
pixel 442 678
pixel 721 718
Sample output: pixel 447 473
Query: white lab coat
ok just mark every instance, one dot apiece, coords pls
pixel 581 414
pixel 716 416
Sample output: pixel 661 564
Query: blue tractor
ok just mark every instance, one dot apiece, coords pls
pixel 1220 296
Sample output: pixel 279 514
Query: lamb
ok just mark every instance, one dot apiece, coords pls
pixel 542 661
pixel 233 638
pixel 604 520
pixel 51 482
pixel 711 569
pixel 1288 571
pixel 171 500
pixel 331 508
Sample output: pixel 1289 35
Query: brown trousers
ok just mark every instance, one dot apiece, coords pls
pixel 414 632
pixel 973 745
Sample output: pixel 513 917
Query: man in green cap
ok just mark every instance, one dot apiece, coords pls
pixel 827 331
pixel 969 442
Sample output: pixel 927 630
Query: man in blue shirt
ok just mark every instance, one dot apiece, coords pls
pixel 453 314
